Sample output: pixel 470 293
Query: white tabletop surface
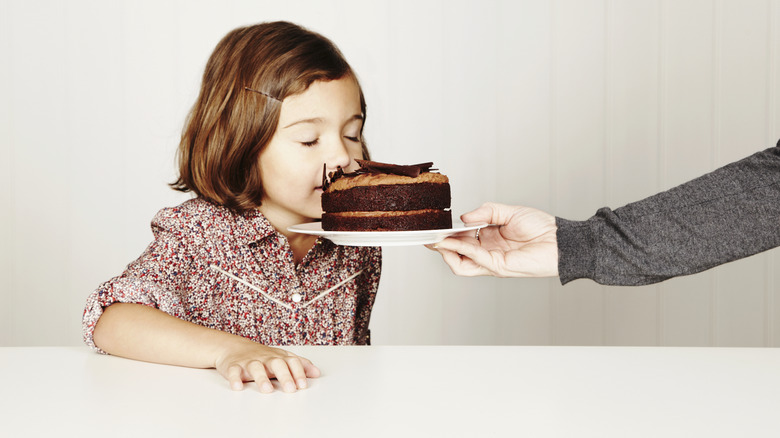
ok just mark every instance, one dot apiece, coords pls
pixel 405 391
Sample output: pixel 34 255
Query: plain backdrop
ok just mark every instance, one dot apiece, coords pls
pixel 566 105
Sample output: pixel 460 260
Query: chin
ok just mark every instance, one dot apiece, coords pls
pixel 314 215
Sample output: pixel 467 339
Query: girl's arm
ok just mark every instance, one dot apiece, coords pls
pixel 145 333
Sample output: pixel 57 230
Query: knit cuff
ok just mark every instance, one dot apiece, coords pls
pixel 576 250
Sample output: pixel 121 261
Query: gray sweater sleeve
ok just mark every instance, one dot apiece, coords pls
pixel 731 213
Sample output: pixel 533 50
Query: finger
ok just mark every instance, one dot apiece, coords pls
pixel 461 265
pixel 309 368
pixel 297 371
pixel 257 371
pixel 472 258
pixel 458 245
pixel 233 376
pixel 278 368
pixel 460 235
pixel 454 261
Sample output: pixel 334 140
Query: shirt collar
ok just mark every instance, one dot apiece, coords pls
pixel 252 226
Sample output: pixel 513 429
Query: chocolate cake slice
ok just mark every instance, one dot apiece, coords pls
pixel 386 197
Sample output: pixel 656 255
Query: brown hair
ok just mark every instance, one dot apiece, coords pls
pixel 251 71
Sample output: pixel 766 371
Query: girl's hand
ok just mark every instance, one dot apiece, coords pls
pixel 523 244
pixel 246 361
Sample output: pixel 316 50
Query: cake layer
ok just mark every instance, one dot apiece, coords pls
pixel 376 179
pixel 388 221
pixel 388 198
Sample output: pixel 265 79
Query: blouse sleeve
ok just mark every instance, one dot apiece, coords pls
pixel 156 279
pixel 731 213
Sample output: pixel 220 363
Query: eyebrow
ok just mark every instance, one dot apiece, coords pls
pixel 320 120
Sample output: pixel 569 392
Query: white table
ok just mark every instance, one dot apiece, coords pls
pixel 404 391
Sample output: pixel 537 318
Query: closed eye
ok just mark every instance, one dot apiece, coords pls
pixel 355 139
pixel 311 143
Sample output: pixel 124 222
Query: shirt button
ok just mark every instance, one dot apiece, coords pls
pixel 296 298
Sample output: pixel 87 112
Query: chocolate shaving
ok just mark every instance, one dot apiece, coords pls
pixel 412 170
pixel 375 167
pixel 327 180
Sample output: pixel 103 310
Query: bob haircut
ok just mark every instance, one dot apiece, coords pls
pixel 251 71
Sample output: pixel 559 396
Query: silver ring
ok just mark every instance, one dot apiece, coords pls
pixel 476 235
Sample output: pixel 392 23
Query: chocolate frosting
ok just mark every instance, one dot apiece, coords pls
pixel 375 167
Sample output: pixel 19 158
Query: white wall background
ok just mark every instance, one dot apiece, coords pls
pixel 565 105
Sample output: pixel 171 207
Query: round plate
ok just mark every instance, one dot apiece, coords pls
pixel 382 238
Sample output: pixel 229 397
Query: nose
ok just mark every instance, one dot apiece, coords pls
pixel 338 155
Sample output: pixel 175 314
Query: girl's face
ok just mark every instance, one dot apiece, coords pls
pixel 320 125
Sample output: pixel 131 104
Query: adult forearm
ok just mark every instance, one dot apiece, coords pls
pixel 731 213
pixel 144 333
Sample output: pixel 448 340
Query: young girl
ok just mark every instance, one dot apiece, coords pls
pixel 223 279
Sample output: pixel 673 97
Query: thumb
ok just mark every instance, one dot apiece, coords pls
pixel 483 214
pixel 491 213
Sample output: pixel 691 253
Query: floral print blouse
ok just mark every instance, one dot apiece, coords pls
pixel 236 273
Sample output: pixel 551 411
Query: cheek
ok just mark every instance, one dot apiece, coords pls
pixel 272 174
pixel 355 150
pixel 266 172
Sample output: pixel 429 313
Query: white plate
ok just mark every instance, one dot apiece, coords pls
pixel 382 238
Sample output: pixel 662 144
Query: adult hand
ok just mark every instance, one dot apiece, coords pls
pixel 523 244
pixel 247 361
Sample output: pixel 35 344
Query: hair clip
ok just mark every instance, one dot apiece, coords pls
pixel 264 94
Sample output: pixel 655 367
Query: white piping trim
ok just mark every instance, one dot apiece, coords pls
pixel 338 285
pixel 283 304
